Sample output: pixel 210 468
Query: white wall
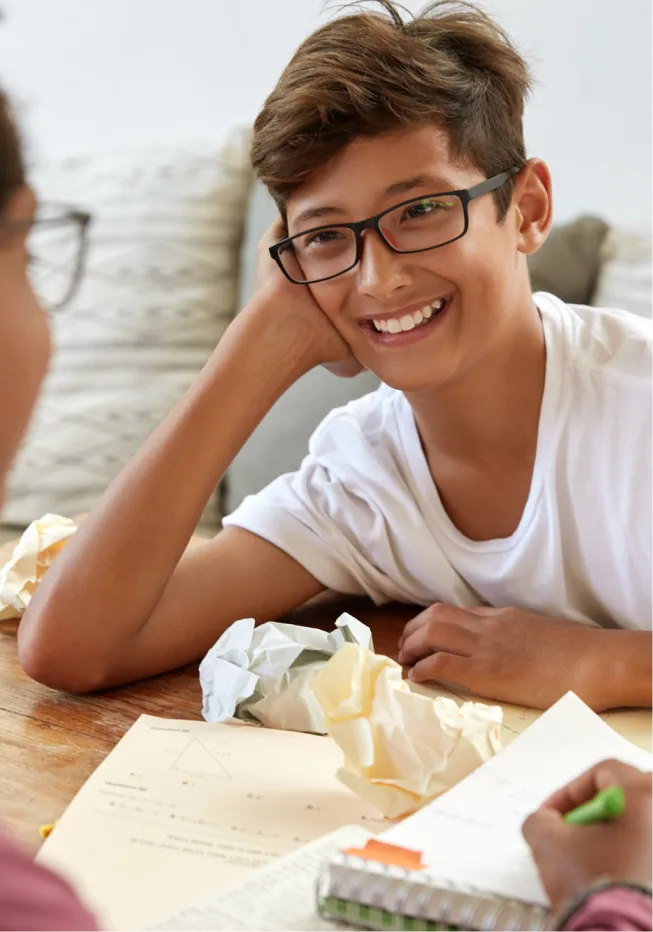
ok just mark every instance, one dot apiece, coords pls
pixel 100 73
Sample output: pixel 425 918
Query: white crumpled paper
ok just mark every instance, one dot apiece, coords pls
pixel 261 674
pixel 40 544
pixel 402 749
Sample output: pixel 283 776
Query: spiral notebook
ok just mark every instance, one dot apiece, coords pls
pixel 461 862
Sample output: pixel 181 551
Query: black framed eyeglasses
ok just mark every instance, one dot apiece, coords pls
pixel 57 241
pixel 416 225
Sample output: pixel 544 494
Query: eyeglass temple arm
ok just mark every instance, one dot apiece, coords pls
pixel 491 184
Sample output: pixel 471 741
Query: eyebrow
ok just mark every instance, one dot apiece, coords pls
pixel 399 187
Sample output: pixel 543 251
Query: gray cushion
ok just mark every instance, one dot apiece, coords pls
pixel 280 442
pixel 568 263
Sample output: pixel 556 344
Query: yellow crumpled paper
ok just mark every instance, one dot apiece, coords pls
pixel 40 544
pixel 402 749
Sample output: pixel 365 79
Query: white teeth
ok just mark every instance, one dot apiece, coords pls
pixel 409 321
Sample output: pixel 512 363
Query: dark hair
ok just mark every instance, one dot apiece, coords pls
pixel 12 167
pixel 373 72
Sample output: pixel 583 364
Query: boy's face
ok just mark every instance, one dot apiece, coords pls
pixel 481 277
pixel 24 334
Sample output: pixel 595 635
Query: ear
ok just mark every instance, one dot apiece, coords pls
pixel 533 203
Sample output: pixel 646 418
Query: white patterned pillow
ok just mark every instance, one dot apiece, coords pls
pixel 625 279
pixel 159 288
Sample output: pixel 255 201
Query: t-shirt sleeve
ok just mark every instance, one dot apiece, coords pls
pixel 344 513
pixel 315 518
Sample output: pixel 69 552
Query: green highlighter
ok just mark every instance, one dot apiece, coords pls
pixel 607 804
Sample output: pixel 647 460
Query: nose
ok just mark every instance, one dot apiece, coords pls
pixel 381 272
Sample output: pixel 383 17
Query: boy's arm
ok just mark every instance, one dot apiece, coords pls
pixel 123 601
pixel 233 576
pixel 511 655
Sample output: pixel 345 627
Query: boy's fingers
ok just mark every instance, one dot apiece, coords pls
pixel 588 784
pixel 436 636
pixel 542 827
pixel 452 668
pixel 414 624
pixel 273 234
pixel 409 628
pixel 439 611
pixel 434 613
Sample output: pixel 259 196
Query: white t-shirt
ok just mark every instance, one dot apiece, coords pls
pixel 363 515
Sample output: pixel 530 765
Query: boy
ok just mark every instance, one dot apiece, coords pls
pixel 501 477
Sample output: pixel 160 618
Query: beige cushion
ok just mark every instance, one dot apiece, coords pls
pixel 159 289
pixel 625 276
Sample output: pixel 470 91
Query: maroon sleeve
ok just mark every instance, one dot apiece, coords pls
pixel 616 909
pixel 34 898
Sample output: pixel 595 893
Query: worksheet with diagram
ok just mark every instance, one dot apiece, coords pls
pixel 180 808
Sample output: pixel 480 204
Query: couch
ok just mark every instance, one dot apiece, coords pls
pixel 171 260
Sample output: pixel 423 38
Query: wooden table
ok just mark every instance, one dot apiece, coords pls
pixel 50 742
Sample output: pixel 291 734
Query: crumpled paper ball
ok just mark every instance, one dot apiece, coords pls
pixel 33 555
pixel 402 749
pixel 261 674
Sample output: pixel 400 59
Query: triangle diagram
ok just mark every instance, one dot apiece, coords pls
pixel 196 758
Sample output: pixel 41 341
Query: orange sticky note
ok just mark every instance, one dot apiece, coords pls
pixel 392 855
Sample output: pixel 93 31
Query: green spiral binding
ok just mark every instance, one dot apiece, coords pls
pixel 331 907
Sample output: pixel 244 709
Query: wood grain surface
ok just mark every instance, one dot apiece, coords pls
pixel 50 742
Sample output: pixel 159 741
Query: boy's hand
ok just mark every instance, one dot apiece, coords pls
pixel 569 857
pixel 287 313
pixel 511 655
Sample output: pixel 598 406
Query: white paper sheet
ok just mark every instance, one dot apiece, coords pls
pixel 179 809
pixel 472 834
pixel 277 898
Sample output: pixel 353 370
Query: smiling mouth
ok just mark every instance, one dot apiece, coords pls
pixel 388 327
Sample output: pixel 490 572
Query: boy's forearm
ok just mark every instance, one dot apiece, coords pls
pixel 624 669
pixel 112 573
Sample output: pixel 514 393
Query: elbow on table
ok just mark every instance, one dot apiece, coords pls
pixel 59 666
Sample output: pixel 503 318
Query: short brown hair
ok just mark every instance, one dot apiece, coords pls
pixel 373 72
